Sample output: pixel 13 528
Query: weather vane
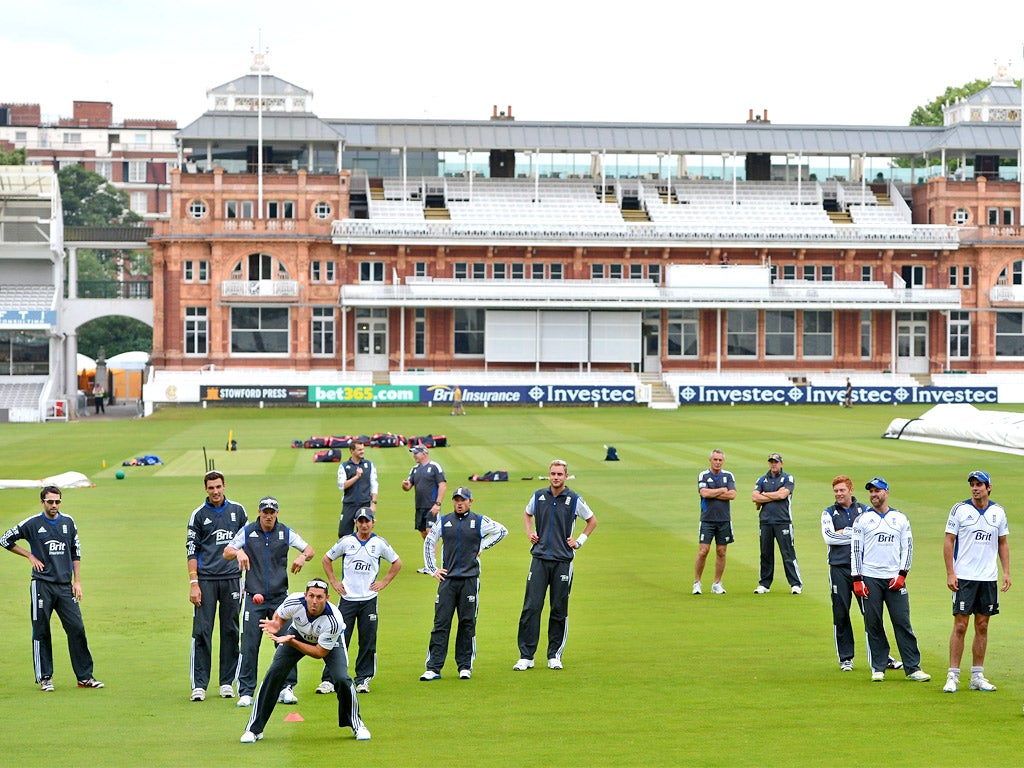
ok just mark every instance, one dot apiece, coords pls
pixel 259 56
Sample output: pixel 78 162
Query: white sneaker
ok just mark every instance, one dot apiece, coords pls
pixel 554 663
pixel 697 588
pixel 522 665
pixel 198 694
pixel 424 571
pixel 846 665
pixel 325 687
pixel 363 687
pixel 288 696
pixel 430 675
pixel 761 590
pixel 952 683
pixel 919 676
pixel 465 674
pixel 227 692
pixel 362 733
pixel 717 588
pixel 250 738
pixel 244 701
pixel 877 677
pixel 979 683
pixel 797 589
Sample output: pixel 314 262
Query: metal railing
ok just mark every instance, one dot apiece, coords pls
pixel 115 289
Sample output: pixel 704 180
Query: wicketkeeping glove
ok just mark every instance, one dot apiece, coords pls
pixel 860 589
pixel 897 584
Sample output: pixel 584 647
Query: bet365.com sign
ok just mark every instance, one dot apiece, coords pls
pixel 346 393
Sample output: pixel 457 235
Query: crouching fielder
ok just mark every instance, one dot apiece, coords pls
pixel 316 630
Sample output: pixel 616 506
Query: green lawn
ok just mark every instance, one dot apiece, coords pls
pixel 653 675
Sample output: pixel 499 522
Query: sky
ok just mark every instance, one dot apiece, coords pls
pixel 864 63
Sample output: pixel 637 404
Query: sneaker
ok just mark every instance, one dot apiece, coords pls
pixel 89 682
pixel 227 692
pixel 363 687
pixel 893 663
pixel 846 665
pixel 877 677
pixel 198 694
pixel 697 588
pixel 522 665
pixel 244 701
pixel 797 589
pixel 46 684
pixel 717 588
pixel 919 676
pixel 554 663
pixel 362 733
pixel 465 674
pixel 979 683
pixel 761 590
pixel 952 683
pixel 251 738
pixel 325 687
pixel 288 696
pixel 430 675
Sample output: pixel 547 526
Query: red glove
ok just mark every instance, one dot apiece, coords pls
pixel 897 584
pixel 860 589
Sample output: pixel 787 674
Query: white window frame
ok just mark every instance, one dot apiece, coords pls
pixel 196 332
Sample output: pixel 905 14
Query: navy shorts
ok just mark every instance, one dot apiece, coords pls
pixel 719 532
pixel 976 597
pixel 424 519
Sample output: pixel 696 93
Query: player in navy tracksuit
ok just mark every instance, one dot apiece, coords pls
pixel 56 586
pixel 357 479
pixel 549 518
pixel 214 582
pixel 773 496
pixel 463 536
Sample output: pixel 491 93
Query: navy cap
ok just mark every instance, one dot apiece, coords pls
pixel 268 502
pixel 774 457
pixel 876 482
pixel 418 449
pixel 981 476
pixel 364 512
pixel 462 491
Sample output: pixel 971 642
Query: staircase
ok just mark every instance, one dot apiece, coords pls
pixel 436 214
pixel 924 379
pixel 630 214
pixel 381 378
pixel 662 398
pixel 840 217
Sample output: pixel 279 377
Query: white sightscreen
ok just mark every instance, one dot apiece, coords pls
pixel 615 337
pixel 511 337
pixel 563 337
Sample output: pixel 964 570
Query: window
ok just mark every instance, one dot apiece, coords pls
pixel 261 266
pixel 314 271
pixel 419 269
pixel 371 271
pixel 141 139
pixel 479 270
pixel 322 331
pixel 499 270
pixel 419 332
pixel 72 138
pixel 537 270
pixel 259 330
pixel 966 281
pixel 21 138
pixel 273 209
pixel 197 209
pixel 654 273
pixel 953 273
pixel 828 273
pixel 961 216
pixel 959 334
pixel 139 202
pixel 597 271
pixel 817 334
pixel 1010 334
pixel 555 271
pixel 789 271
pixel 105 169
pixel 329 272
pixel 469 331
pixel 913 275
pixel 779 333
pixel 865 335
pixel 773 272
pixel 741 333
pixel 196 330
pixel 683 331
pixel 518 270
pixel 245 209
pixel 321 271
pixel 615 271
pixel 195 271
pixel 460 270
pixel 137 171
pixel 867 273
pixel 636 271
pixel 993 216
pixel 322 210
pixel 1007 217
pixel 204 270
pixel 810 272
pixel 230 209
pixel 288 209
pixel 1012 275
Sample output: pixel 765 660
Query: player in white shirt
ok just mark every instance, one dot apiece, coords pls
pixel 882 548
pixel 315 630
pixel 975 539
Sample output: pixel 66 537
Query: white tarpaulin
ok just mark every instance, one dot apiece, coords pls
pixel 964 426
pixel 63 480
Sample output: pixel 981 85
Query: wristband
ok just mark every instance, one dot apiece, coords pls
pixel 581 540
pixel 858 578
pixel 194 581
pixel 904 574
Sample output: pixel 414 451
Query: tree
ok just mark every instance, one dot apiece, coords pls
pixel 14 157
pixel 90 200
pixel 115 334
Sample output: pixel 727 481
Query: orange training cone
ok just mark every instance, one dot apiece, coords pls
pixel 294 717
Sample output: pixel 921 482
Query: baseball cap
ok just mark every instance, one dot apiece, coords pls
pixel 981 476
pixel 418 449
pixel 876 482
pixel 774 457
pixel 268 502
pixel 364 512
pixel 462 491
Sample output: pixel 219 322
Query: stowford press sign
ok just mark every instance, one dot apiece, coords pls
pixel 811 395
pixel 252 394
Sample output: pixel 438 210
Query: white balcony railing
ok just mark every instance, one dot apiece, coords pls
pixel 259 288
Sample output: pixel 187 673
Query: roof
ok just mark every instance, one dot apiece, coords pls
pixel 243 126
pixel 271 86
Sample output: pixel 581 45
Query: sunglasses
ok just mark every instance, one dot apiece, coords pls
pixel 317 583
pixel 52 501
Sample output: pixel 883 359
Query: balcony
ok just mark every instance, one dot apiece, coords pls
pixel 260 289
pixel 1006 294
pixel 115 289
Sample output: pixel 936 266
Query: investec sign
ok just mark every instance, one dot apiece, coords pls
pixel 538 393
pixel 835 395
pixel 346 393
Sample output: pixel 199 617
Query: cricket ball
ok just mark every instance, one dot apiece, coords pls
pixel 257 598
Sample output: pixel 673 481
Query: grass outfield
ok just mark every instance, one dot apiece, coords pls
pixel 653 675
